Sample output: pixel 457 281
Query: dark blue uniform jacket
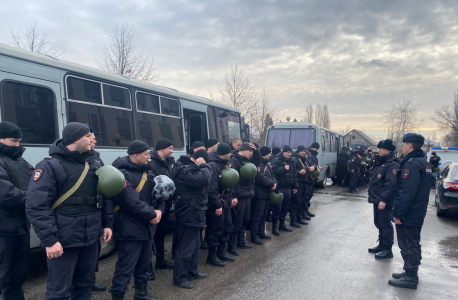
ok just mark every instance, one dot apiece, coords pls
pixel 383 181
pixel 161 167
pixel 264 180
pixel 218 196
pixel 285 178
pixel 244 188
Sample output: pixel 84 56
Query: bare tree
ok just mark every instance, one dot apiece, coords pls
pixel 309 113
pixel 326 119
pixel 36 39
pixel 122 57
pixel 401 118
pixel 318 115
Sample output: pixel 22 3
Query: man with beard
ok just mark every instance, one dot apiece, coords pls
pixel 15 173
pixel 219 217
pixel 64 208
pixel 135 223
pixel 284 169
pixel 380 194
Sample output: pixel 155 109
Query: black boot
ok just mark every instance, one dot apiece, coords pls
pixel 295 224
pixel 212 259
pixel 152 276
pixel 117 296
pixel 203 245
pixel 400 275
pixel 305 216
pixel 222 255
pixel 377 248
pixel 385 253
pixel 265 236
pixel 161 263
pixel 141 293
pixel 275 228
pixel 97 287
pixel 302 222
pixel 232 247
pixel 256 240
pixel 309 213
pixel 283 227
pixel 242 244
pixel 408 281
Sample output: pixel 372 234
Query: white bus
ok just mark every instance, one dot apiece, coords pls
pixel 42 94
pixel 300 133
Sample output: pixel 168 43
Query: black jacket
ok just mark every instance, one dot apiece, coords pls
pixel 434 161
pixel 14 181
pixel 412 189
pixel 136 209
pixel 191 182
pixel 161 167
pixel 301 164
pixel 285 178
pixel 218 196
pixel 244 188
pixel 49 225
pixel 342 159
pixel 264 180
pixel 383 180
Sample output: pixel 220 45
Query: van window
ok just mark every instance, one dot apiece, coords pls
pixel 211 121
pixel 31 108
pixel 148 103
pixel 84 90
pixel 151 128
pixel 170 107
pixel 116 96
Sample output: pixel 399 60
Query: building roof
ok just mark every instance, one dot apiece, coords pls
pixel 368 139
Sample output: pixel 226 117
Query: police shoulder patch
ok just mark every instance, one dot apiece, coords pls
pixel 394 172
pixel 405 173
pixel 229 165
pixel 259 169
pixel 37 174
pixel 379 176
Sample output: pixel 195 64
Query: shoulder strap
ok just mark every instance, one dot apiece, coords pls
pixel 138 188
pixel 73 188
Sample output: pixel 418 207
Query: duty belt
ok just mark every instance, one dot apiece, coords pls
pixel 85 201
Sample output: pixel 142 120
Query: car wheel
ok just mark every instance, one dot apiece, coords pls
pixel 107 248
pixel 439 212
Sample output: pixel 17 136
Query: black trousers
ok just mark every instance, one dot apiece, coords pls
pixel 382 220
pixel 260 209
pixel 218 227
pixel 301 195
pixel 161 232
pixel 310 188
pixel 353 181
pixel 14 257
pixel 409 243
pixel 72 274
pixel 342 174
pixel 134 258
pixel 279 211
pixel 358 177
pixel 240 219
pixel 294 206
pixel 187 253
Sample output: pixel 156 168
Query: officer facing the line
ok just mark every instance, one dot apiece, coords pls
pixel 68 224
pixel 15 175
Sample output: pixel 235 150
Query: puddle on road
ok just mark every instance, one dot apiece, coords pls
pixel 449 250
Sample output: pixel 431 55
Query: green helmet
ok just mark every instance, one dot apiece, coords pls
pixel 275 198
pixel 367 159
pixel 248 171
pixel 363 164
pixel 111 181
pixel 229 178
pixel 316 173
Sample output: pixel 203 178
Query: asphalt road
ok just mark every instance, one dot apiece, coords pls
pixel 327 259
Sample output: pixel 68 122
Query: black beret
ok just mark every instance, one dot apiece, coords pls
pixel 315 145
pixel 300 148
pixel 201 153
pixel 10 130
pixel 212 142
pixel 264 150
pixel 223 149
pixel 276 150
pixel 413 138
pixel 245 147
pixel 74 131
pixel 387 144
pixel 163 144
pixel 136 147
pixel 287 148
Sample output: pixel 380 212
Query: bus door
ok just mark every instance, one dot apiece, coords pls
pixel 195 123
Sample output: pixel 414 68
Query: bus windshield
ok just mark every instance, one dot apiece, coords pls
pixel 292 137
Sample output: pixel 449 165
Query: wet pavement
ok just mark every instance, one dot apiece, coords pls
pixel 327 259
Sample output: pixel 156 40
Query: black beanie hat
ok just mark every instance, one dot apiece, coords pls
pixel 315 145
pixel 136 147
pixel 264 150
pixel 413 138
pixel 197 144
pixel 10 130
pixel 212 142
pixel 287 148
pixel 73 132
pixel 201 153
pixel 300 148
pixel 387 144
pixel 433 153
pixel 223 149
pixel 245 146
pixel 163 144
pixel 276 150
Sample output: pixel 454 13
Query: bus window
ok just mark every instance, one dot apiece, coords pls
pixel 170 107
pixel 323 144
pixel 304 137
pixel 31 108
pixel 152 127
pixel 278 137
pixel 211 122
pixel 116 96
pixel 84 90
pixel 228 126
pixel 147 102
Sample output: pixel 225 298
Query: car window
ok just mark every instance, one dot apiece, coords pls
pixel 454 174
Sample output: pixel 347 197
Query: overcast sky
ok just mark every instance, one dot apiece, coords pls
pixel 357 56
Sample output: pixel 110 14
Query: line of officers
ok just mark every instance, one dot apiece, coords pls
pixel 61 197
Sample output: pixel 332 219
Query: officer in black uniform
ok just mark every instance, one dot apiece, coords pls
pixel 354 165
pixel 284 169
pixel 212 145
pixel 380 194
pixel 299 200
pixel 162 164
pixel 135 222
pixel 236 144
pixel 275 151
pixel 243 191
pixel 434 160
pixel 192 176
pixel 70 229
pixel 409 210
pixel 342 166
pixel 15 173
pixel 264 183
pixel 219 217
pixel 311 155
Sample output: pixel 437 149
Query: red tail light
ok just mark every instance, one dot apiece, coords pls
pixel 450 186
